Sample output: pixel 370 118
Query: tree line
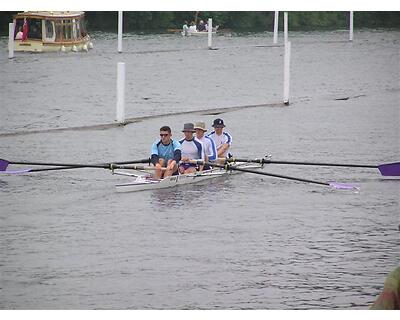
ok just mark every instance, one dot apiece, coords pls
pixel 159 21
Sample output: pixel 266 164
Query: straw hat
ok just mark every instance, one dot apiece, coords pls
pixel 200 125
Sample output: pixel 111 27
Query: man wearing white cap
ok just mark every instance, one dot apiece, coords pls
pixel 222 140
pixel 210 151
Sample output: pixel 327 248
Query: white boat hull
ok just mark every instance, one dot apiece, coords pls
pixel 199 33
pixel 146 182
pixel 40 46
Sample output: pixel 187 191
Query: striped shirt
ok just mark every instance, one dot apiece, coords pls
pixel 192 149
pixel 219 141
pixel 209 147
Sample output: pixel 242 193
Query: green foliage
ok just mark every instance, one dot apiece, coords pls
pixel 250 20
pixel 317 20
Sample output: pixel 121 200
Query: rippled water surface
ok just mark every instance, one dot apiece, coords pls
pixel 69 241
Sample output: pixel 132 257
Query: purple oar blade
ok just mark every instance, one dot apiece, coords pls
pixel 3 164
pixel 15 171
pixel 343 186
pixel 390 169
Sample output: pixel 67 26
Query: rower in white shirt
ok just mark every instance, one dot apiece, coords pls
pixel 210 151
pixel 191 149
pixel 222 140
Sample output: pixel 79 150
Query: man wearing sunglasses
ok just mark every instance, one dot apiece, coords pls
pixel 165 153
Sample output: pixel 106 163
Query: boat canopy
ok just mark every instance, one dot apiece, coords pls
pixel 56 26
pixel 52 15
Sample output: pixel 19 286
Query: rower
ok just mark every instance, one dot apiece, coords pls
pixel 210 151
pixel 192 149
pixel 165 153
pixel 185 29
pixel 192 28
pixel 222 140
pixel 201 26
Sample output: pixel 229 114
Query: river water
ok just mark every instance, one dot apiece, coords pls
pixel 69 241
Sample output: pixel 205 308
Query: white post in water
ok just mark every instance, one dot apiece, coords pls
pixel 11 40
pixel 351 26
pixel 120 23
pixel 285 28
pixel 276 27
pixel 209 33
pixel 121 93
pixel 286 74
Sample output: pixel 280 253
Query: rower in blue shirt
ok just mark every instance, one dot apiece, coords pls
pixel 165 154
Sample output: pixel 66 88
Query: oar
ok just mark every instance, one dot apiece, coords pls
pixel 228 167
pixel 65 166
pixel 387 169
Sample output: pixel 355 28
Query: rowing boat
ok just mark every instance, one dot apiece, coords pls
pixel 231 165
pixel 197 33
pixel 147 182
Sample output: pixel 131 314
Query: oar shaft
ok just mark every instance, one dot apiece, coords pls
pixel 322 164
pixel 230 167
pixel 331 184
pixel 79 165
pixel 66 166
pixel 303 163
pixel 59 168
pixel 112 166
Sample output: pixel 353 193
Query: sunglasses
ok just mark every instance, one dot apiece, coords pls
pixel 164 134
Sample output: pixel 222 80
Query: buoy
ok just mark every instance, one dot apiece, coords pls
pixel 90 45
pixel 121 92
pixel 85 48
pixel 11 40
pixel 286 73
pixel 62 49
pixel 210 33
pixel 74 48
pixel 120 24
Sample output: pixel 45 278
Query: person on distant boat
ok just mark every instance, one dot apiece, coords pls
pixel 185 28
pixel 19 34
pixel 192 149
pixel 201 26
pixel 165 153
pixel 192 27
pixel 222 140
pixel 210 151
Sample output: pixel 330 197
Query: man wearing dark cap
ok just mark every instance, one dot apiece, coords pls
pixel 222 140
pixel 191 148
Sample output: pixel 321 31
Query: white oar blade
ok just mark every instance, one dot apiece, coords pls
pixel 15 171
pixel 343 186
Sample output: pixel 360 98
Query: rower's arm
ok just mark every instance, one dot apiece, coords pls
pixel 177 155
pixel 223 149
pixel 154 153
pixel 154 159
